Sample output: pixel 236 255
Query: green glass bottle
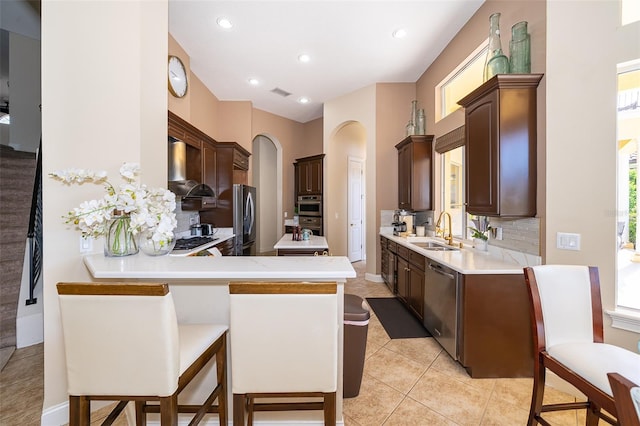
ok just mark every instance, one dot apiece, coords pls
pixel 496 62
pixel 520 49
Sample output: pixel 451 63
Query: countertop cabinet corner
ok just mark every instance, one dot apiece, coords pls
pixel 415 168
pixel 500 146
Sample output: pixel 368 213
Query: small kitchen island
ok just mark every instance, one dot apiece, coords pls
pixel 315 246
pixel 200 288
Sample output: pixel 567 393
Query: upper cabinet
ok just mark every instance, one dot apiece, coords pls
pixel 500 146
pixel 415 168
pixel 308 175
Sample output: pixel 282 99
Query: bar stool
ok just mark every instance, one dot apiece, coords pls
pixel 123 343
pixel 284 343
pixel 566 314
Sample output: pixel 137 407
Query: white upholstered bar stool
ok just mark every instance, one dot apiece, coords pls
pixel 569 341
pixel 123 343
pixel 284 343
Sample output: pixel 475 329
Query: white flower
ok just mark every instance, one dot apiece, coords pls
pixel 149 209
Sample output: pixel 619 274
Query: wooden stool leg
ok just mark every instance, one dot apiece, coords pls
pixel 329 409
pixel 250 401
pixel 538 393
pixel 79 411
pixel 238 409
pixel 221 366
pixel 141 416
pixel 169 410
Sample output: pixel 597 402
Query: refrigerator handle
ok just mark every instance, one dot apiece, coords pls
pixel 250 209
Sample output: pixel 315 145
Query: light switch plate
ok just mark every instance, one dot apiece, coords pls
pixel 567 241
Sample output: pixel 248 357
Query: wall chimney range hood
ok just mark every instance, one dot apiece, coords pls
pixel 194 195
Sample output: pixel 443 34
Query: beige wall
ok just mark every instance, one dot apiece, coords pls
pixel 581 134
pixel 104 102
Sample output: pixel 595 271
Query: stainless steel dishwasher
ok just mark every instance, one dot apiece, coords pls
pixel 440 305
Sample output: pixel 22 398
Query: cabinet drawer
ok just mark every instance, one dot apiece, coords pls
pixel 240 160
pixel 403 252
pixel 416 259
pixel 392 246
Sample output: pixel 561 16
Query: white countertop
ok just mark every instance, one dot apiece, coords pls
pixel 314 242
pixel 466 260
pixel 230 268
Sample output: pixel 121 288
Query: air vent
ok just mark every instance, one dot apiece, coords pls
pixel 279 91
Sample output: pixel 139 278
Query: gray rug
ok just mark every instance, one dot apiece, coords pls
pixel 397 321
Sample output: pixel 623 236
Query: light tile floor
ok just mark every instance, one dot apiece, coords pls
pixel 406 382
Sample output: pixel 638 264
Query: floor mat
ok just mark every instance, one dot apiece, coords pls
pixel 397 321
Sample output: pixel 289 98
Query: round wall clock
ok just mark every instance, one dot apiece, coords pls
pixel 178 83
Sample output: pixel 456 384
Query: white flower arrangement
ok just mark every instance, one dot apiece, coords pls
pixel 149 209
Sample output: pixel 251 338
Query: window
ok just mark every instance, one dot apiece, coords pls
pixel 451 148
pixel 460 82
pixel 628 254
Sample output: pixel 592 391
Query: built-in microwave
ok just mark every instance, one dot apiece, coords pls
pixel 310 205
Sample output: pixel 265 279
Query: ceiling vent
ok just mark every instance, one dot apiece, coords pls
pixel 279 91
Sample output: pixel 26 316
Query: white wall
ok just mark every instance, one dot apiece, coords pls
pixel 581 138
pixel 359 106
pixel 104 102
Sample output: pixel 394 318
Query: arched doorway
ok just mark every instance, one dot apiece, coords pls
pixel 267 178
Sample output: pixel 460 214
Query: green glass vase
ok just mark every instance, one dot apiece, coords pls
pixel 520 49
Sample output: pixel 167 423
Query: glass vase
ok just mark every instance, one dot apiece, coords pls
pixel 118 240
pixel 420 123
pixel 520 49
pixel 496 62
pixel 158 246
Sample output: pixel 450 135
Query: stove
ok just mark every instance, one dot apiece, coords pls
pixel 187 246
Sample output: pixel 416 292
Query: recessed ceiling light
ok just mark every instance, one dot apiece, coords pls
pixel 304 58
pixel 254 81
pixel 399 33
pixel 304 100
pixel 224 23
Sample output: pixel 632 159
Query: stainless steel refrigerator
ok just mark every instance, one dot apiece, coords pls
pixel 244 219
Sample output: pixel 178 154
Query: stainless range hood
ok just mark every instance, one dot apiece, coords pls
pixel 194 195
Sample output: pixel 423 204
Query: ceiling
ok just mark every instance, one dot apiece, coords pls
pixel 350 44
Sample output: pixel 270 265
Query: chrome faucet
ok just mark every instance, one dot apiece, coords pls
pixel 441 231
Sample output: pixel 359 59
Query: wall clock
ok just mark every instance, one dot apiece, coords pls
pixel 178 83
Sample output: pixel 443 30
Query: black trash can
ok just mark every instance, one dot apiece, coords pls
pixel 356 325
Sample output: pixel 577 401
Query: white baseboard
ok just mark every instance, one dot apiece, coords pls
pixel 376 278
pixel 56 415
pixel 29 330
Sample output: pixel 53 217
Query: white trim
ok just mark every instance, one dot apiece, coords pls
pixel 56 415
pixel 376 278
pixel 625 319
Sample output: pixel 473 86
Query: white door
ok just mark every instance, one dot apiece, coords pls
pixel 355 242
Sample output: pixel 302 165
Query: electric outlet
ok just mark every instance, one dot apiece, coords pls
pixel 86 244
pixel 498 235
pixel 286 214
pixel 429 221
pixel 567 241
pixel 193 220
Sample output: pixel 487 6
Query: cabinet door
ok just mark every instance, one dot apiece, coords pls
pixel 209 165
pixel 404 177
pixel 481 157
pixel 416 290
pixel 403 278
pixel 303 178
pixel 315 176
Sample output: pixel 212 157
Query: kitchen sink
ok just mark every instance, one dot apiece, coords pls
pixel 433 246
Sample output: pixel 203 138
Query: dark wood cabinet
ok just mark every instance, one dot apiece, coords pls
pixel 500 146
pixel 232 165
pixel 410 279
pixel 415 173
pixel 495 332
pixel 308 175
pixel 226 247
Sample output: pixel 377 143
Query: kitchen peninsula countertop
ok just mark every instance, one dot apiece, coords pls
pixel 223 267
pixel 467 260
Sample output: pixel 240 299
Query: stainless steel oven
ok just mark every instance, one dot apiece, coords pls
pixel 310 205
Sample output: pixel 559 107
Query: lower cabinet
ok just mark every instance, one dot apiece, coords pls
pixel 303 252
pixel 226 247
pixel 411 280
pixel 495 338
